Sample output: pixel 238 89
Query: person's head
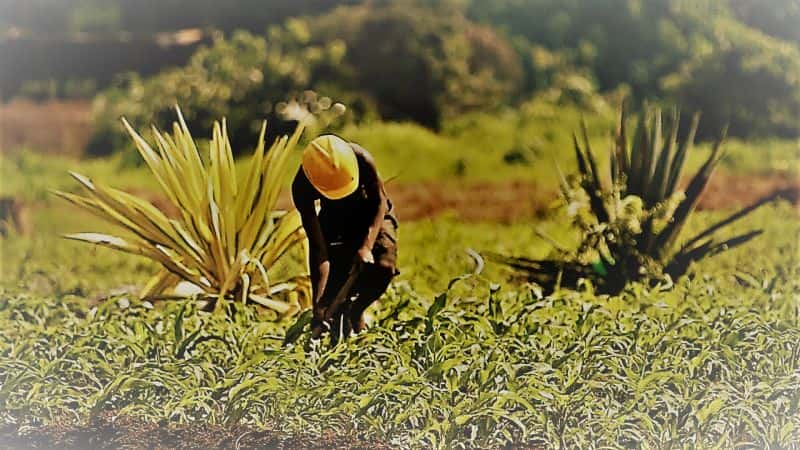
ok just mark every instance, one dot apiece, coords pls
pixel 330 165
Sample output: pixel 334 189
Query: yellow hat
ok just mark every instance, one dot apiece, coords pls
pixel 330 165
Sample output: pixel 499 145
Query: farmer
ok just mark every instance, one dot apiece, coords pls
pixel 353 240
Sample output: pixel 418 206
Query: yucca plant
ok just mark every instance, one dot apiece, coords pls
pixel 226 236
pixel 630 219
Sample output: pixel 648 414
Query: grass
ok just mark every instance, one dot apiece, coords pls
pixel 763 157
pixel 507 145
pixel 486 363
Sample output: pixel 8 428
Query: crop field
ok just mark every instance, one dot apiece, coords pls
pixel 591 238
pixel 461 353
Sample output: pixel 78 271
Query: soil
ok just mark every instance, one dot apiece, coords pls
pixel 505 202
pixel 501 202
pixel 730 191
pixel 109 431
pixel 54 127
pixel 122 432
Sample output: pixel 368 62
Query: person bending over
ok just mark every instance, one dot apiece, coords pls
pixel 353 238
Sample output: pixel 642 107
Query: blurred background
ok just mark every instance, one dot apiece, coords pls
pixel 484 94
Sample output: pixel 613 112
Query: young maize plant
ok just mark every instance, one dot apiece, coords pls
pixel 629 223
pixel 227 234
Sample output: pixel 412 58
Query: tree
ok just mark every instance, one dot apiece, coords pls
pixel 241 77
pixel 750 82
pixel 423 61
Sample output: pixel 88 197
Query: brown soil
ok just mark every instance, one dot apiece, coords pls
pixel 481 201
pixel 504 202
pixel 125 433
pixel 62 127
pixel 110 432
pixel 729 191
pixel 471 202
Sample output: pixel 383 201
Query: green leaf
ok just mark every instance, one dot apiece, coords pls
pixel 296 329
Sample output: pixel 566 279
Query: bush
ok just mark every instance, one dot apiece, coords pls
pixel 629 225
pixel 225 237
pixel 241 77
pixel 777 18
pixel 619 41
pixel 735 60
pixel 751 83
pixel 407 61
pixel 423 61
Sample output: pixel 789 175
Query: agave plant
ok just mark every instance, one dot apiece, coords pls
pixel 630 219
pixel 226 236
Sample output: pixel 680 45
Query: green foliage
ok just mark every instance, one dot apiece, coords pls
pixel 712 361
pixel 630 223
pixel 426 61
pixel 94 16
pixel 474 146
pixel 750 83
pixel 768 156
pixel 44 90
pixel 148 16
pixel 241 78
pixel 400 60
pixel 30 176
pixel 621 41
pixel 423 62
pixel 734 60
pixel 777 18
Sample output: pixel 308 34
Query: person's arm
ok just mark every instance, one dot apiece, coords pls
pixel 318 264
pixel 375 190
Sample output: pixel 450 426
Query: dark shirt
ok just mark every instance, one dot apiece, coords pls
pixel 347 219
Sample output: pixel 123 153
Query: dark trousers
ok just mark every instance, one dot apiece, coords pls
pixel 372 280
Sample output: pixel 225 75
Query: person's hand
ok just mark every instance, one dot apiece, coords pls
pixel 318 323
pixel 364 256
pixel 318 327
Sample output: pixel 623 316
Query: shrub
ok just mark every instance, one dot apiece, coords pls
pixel 227 236
pixel 750 83
pixel 405 61
pixel 629 224
pixel 241 77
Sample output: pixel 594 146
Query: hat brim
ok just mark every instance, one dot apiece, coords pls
pixel 342 192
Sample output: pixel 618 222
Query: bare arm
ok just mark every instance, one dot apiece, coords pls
pixel 319 265
pixel 374 186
